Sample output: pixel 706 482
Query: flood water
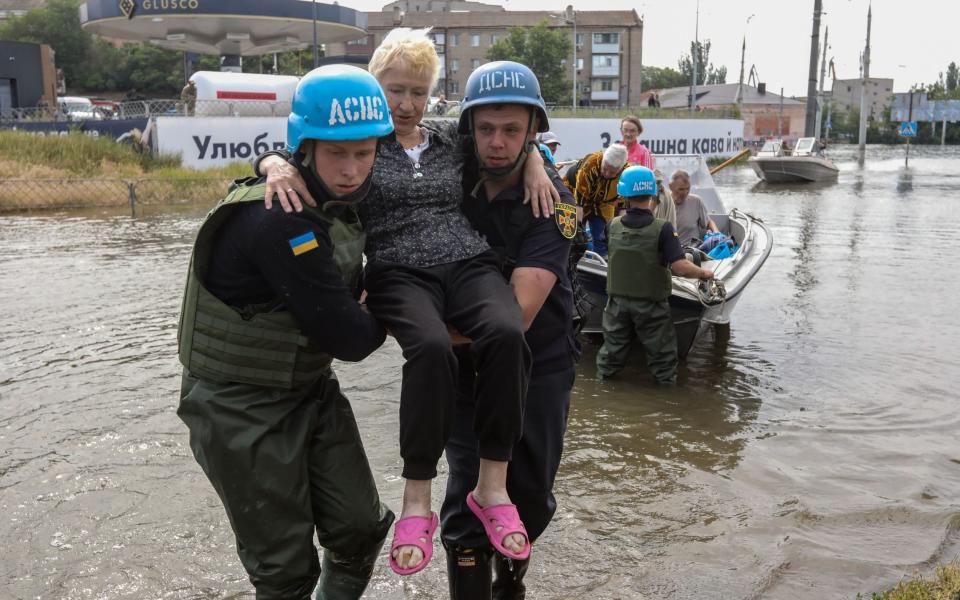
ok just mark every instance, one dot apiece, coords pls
pixel 810 453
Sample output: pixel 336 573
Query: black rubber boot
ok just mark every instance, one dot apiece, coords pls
pixel 468 571
pixel 508 584
pixel 345 579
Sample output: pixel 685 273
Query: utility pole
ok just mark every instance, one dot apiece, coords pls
pixel 743 54
pixel 833 76
pixel 780 118
pixel 823 74
pixel 862 152
pixel 906 162
pixel 812 79
pixel 694 59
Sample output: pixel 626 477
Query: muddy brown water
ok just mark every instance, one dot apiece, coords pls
pixel 812 452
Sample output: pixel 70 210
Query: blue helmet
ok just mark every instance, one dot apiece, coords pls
pixel 337 102
pixel 637 181
pixel 502 82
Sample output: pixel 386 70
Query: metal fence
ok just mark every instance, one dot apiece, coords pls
pixel 257 108
pixel 45 194
pixel 150 108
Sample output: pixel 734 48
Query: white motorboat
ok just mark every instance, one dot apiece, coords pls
pixel 694 304
pixel 774 164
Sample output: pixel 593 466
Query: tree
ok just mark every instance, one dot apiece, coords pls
pixel 706 72
pixel 58 25
pixel 953 75
pixel 544 51
pixel 658 78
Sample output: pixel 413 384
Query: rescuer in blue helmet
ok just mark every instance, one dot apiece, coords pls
pixel 644 253
pixel 497 83
pixel 270 301
pixel 502 111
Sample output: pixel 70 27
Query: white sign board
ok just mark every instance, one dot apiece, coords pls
pixel 707 137
pixel 205 142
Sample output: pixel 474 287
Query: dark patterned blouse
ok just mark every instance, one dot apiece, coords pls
pixel 412 216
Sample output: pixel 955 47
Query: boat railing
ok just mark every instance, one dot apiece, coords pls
pixel 590 254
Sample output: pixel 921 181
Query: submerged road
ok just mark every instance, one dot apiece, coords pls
pixel 812 453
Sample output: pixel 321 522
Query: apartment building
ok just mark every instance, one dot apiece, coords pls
pixel 15 8
pixel 846 95
pixel 609 44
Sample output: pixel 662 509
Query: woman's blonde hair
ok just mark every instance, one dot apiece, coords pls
pixel 413 48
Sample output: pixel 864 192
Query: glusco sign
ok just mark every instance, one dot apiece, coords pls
pixel 353 109
pixel 171 4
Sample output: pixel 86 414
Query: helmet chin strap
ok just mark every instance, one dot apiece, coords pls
pixel 332 200
pixel 500 173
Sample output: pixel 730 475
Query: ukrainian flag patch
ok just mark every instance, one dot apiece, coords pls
pixel 303 243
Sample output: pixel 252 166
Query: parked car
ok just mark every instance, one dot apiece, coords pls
pixel 108 109
pixel 76 108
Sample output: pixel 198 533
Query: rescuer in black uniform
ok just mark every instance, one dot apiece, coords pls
pixel 270 301
pixel 535 259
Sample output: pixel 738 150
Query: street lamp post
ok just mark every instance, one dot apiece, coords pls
pixel 694 59
pixel 574 59
pixel 570 18
pixel 316 54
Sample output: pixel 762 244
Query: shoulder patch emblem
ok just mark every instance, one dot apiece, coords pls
pixel 303 243
pixel 566 218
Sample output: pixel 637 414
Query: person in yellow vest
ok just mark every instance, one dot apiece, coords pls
pixel 596 191
pixel 643 255
pixel 270 301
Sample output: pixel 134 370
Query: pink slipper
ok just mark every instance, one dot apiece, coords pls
pixel 412 531
pixel 505 517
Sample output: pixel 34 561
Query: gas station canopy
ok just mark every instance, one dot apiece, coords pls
pixel 224 27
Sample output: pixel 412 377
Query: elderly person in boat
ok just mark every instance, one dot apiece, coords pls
pixel 596 190
pixel 693 221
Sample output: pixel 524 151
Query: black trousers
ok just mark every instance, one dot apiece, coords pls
pixel 530 476
pixel 415 304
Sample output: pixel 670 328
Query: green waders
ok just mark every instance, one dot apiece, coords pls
pixel 625 319
pixel 638 288
pixel 276 437
pixel 287 464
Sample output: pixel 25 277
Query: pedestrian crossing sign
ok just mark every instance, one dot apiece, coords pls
pixel 908 129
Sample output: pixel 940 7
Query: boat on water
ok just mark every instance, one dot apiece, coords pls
pixel 694 304
pixel 775 164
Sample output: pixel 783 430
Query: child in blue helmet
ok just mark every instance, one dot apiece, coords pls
pixel 644 253
pixel 270 301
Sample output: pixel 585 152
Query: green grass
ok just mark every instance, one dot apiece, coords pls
pixel 76 170
pixel 24 154
pixel 945 585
